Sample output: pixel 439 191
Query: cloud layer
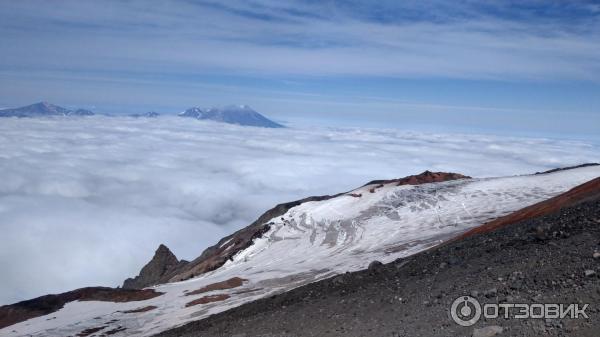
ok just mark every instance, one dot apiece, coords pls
pixel 86 201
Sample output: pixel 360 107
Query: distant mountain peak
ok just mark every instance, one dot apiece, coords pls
pixel 193 112
pixel 231 114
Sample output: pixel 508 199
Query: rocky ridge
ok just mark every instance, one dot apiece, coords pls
pixel 552 258
pixel 43 109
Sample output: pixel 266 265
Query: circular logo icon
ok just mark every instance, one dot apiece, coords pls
pixel 465 311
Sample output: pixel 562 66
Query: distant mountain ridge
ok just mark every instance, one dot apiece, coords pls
pixel 231 114
pixel 43 109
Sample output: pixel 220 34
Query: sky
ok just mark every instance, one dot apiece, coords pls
pixel 506 67
pixel 86 201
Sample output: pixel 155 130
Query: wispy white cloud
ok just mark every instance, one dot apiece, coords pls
pixel 86 201
pixel 297 38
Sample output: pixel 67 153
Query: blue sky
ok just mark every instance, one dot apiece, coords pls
pixel 527 67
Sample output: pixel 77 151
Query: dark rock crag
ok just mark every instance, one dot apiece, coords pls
pixel 568 168
pixel 163 265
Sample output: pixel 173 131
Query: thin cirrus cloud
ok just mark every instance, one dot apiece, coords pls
pixel 465 40
pixel 86 201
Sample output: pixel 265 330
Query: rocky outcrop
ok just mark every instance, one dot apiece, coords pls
pixel 568 168
pixel 163 265
pixel 44 305
pixel 215 256
pixel 423 178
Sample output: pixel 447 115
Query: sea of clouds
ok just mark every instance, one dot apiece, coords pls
pixel 87 201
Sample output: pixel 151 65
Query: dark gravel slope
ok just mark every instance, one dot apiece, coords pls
pixel 550 259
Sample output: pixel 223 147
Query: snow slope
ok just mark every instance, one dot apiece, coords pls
pixel 319 239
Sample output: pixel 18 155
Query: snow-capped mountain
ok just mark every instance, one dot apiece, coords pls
pixel 43 109
pixel 232 114
pixel 194 112
pixel 308 240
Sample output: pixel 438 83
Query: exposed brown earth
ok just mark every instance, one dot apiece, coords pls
pixel 246 291
pixel 233 282
pixel 142 309
pixel 215 256
pixel 423 178
pixel 21 311
pixel 208 299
